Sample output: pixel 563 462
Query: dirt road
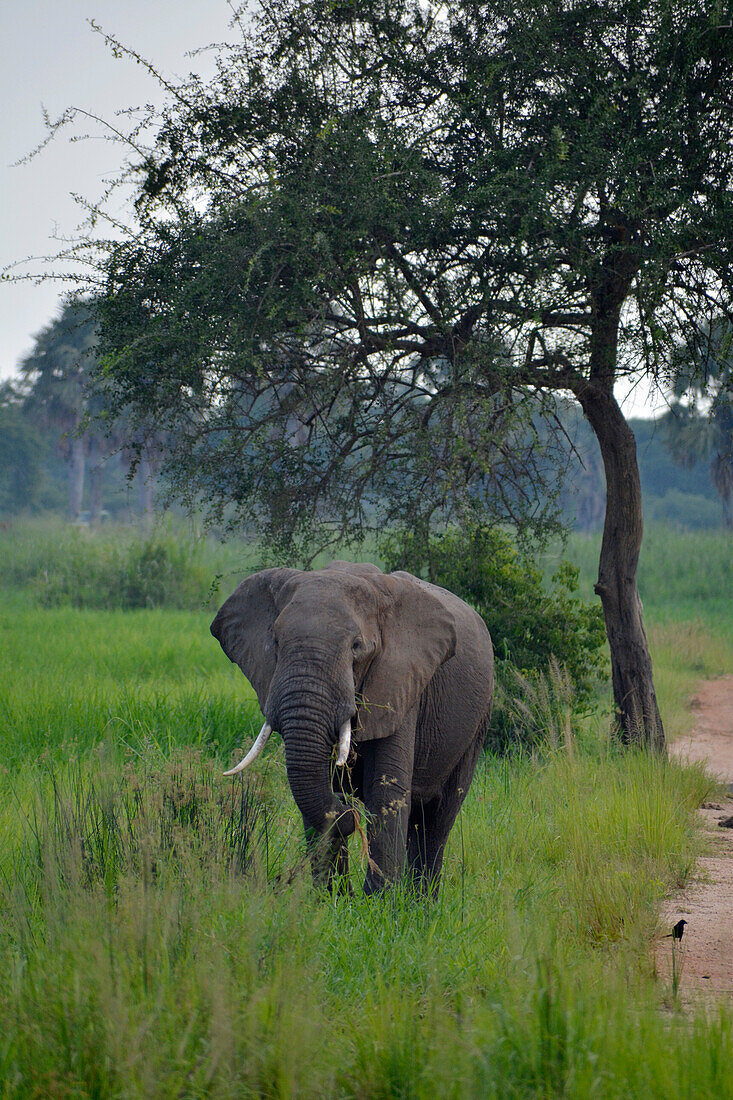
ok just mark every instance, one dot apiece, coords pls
pixel 704 957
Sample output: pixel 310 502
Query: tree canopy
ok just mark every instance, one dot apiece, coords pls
pixel 388 229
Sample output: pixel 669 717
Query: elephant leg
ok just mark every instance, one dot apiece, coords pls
pixel 387 782
pixel 431 822
pixel 421 816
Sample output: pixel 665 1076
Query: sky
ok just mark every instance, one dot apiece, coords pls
pixel 50 58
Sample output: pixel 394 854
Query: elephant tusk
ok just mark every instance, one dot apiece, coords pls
pixel 254 752
pixel 344 743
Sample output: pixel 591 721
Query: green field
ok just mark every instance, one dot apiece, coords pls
pixel 159 935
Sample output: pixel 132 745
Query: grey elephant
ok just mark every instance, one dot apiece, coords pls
pixel 393 676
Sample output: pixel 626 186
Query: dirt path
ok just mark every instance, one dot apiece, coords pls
pixel 704 957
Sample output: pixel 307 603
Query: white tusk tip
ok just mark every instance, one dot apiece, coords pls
pixel 344 744
pixel 254 752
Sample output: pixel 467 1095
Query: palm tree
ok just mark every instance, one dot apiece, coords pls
pixel 700 420
pixel 60 394
pixel 55 377
pixel 21 449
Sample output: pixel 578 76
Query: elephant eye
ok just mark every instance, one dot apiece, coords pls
pixel 356 645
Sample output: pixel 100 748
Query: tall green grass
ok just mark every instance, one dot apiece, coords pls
pixel 684 653
pixel 72 679
pixel 142 955
pixel 118 566
pixel 686 584
pixel 160 936
pixel 126 567
pixel 681 573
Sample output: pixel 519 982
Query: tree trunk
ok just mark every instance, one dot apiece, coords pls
pixel 727 502
pixel 631 667
pixel 96 483
pixel 728 513
pixel 146 475
pixel 76 474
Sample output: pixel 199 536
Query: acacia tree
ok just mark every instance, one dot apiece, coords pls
pixel 396 223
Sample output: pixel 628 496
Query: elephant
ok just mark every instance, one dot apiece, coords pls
pixel 393 675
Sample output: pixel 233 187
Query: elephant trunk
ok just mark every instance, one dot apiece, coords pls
pixel 307 724
pixel 309 779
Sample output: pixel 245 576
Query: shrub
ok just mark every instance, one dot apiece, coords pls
pixel 528 622
pixel 683 511
pixel 84 571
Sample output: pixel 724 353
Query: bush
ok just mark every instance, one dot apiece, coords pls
pixel 159 571
pixel 80 569
pixel 683 511
pixel 528 624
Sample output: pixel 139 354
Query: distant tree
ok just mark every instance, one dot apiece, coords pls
pixel 21 451
pixel 700 421
pixel 55 380
pixel 370 201
pixel 58 391
pixel 142 450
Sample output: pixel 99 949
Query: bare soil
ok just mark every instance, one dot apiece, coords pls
pixel 703 959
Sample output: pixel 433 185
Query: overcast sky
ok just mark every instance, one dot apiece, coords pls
pixel 50 57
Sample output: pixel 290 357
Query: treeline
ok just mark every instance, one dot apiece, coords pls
pixel 39 472
pixel 674 492
pixel 58 450
pixel 37 475
pixel 59 453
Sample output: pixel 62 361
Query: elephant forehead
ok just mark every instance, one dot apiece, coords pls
pixel 333 594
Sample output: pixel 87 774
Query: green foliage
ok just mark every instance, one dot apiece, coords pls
pixel 681 573
pixel 101 825
pixel 140 957
pixel 683 511
pixel 529 622
pixel 345 293
pixel 164 962
pixel 56 372
pixel 157 572
pixel 704 374
pixel 539 708
pixel 21 451
pixel 114 568
pixel 681 496
pixel 149 680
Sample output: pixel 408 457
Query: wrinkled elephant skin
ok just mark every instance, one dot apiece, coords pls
pixel 409 664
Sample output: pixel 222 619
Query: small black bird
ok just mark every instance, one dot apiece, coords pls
pixel 678 931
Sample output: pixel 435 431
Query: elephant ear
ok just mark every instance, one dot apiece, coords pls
pixel 418 635
pixel 243 626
